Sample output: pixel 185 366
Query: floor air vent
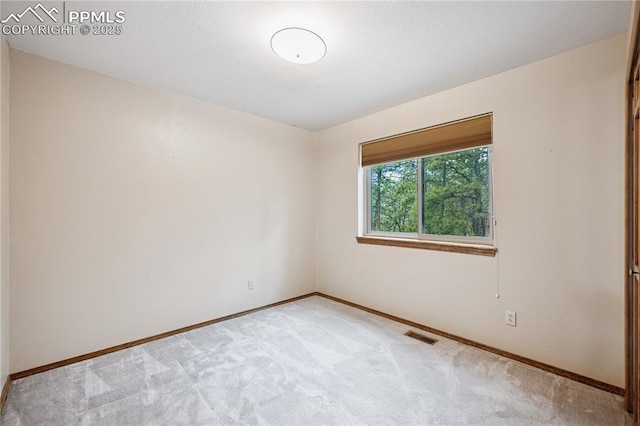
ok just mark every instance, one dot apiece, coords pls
pixel 420 337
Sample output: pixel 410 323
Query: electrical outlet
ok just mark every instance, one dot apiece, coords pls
pixel 250 285
pixel 510 318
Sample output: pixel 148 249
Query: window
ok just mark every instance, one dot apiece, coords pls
pixel 456 196
pixel 431 186
pixel 393 197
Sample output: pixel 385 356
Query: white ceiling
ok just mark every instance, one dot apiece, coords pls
pixel 379 54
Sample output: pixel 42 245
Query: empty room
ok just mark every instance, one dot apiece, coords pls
pixel 319 213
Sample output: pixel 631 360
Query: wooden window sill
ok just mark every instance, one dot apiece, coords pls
pixel 430 245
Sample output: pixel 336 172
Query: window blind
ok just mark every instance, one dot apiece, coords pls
pixel 468 133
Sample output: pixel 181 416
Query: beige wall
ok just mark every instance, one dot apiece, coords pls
pixel 4 211
pixel 135 211
pixel 559 203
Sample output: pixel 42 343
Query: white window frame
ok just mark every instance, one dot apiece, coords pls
pixel 485 241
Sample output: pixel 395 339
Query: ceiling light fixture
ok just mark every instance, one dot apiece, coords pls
pixel 298 46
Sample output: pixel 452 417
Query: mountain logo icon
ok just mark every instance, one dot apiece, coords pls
pixel 38 11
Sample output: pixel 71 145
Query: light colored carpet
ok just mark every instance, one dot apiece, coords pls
pixel 309 362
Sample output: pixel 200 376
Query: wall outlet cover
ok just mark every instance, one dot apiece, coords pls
pixel 510 318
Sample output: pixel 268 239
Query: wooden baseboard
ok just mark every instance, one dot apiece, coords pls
pixel 5 393
pixel 73 360
pixel 542 366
